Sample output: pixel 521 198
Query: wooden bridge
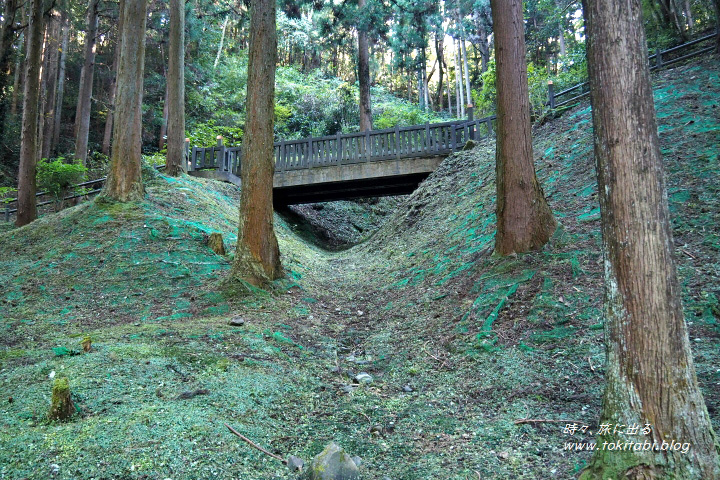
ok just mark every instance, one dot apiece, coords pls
pixel 375 163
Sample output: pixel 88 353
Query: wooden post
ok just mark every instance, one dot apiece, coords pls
pixel 186 166
pixel 193 159
pixel 221 161
pixel 397 142
pixel 339 149
pixel 309 153
pixel 551 95
pixel 471 118
pixel 367 145
pixel 7 212
pixel 283 157
pixel 453 137
pixel 658 58
pixel 427 137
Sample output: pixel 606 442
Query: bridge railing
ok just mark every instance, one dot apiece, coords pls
pixel 344 149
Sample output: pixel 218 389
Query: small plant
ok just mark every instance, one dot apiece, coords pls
pixel 6 194
pixel 58 177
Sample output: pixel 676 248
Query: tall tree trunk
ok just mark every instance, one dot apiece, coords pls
pixel 124 182
pixel 82 113
pixel 65 26
pixel 524 219
pixel 468 91
pixel 176 90
pixel 17 74
pixel 222 41
pixel 364 76
pixel 459 90
pixel 717 25
pixel 109 119
pixel 29 147
pixel 163 125
pixel 440 51
pixel 649 371
pixel 50 77
pixel 257 259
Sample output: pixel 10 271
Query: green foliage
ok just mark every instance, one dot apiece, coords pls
pixel 205 134
pixel 6 194
pixel 57 177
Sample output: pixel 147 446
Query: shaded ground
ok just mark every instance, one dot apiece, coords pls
pixel 460 344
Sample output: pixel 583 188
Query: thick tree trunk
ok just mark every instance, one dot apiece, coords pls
pixel 174 160
pixel 65 25
pixel 50 76
pixel 82 113
pixel 257 259
pixel 364 77
pixel 124 182
pixel 29 147
pixel 650 374
pixel 524 219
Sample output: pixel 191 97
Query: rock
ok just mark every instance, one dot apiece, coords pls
pixel 348 388
pixel 333 463
pixel 407 389
pixel 356 460
pixel 363 378
pixel 295 463
pixel 216 244
pixel 62 407
pixel 237 321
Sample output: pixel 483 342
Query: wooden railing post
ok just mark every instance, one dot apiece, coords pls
pixel 222 155
pixel 309 153
pixel 453 137
pixel 658 58
pixel 471 118
pixel 427 137
pixel 283 157
pixel 397 142
pixel 7 212
pixel 193 159
pixel 339 148
pixel 367 145
pixel 186 166
pixel 551 95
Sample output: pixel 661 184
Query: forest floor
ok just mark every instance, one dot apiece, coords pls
pixel 477 362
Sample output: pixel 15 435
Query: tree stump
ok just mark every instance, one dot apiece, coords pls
pixel 62 407
pixel 216 244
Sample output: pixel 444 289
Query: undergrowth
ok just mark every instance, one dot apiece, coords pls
pixel 465 349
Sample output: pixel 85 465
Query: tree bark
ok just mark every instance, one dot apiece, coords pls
pixel 524 219
pixel 364 76
pixel 650 374
pixel 459 83
pixel 82 113
pixel 174 159
pixel 65 26
pixel 50 77
pixel 163 125
pixel 222 41
pixel 109 119
pixel 440 51
pixel 29 147
pixel 124 182
pixel 257 259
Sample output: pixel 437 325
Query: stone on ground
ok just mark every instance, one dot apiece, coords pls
pixel 333 463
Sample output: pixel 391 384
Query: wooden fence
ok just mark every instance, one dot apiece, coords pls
pixel 343 149
pixel 660 59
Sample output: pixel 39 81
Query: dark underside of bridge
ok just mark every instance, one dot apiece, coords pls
pixel 348 190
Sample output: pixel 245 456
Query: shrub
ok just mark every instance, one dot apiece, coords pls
pixel 58 177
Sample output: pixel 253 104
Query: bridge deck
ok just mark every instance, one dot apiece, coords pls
pixel 375 163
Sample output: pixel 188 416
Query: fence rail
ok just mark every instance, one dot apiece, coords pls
pixel 660 59
pixel 430 139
